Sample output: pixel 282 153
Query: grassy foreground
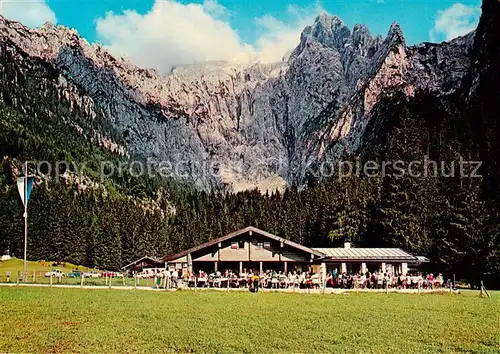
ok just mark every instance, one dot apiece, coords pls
pixel 75 320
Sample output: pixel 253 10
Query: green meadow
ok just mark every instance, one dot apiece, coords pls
pixel 77 320
pixel 15 266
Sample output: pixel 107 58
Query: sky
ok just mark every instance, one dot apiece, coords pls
pixel 161 34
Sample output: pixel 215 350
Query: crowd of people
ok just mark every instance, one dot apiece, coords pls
pixel 272 279
pixel 382 280
pixel 228 278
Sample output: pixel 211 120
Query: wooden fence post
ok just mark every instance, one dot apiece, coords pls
pixel 81 280
pixel 17 280
pixel 109 284
pixel 34 277
pixel 50 279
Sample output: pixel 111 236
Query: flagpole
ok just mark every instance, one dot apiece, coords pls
pixel 25 274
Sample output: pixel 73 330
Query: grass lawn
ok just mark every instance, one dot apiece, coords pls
pixel 15 265
pixel 76 320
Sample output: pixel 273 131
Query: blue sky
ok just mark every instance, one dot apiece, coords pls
pixel 210 29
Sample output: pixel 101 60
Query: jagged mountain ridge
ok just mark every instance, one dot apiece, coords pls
pixel 247 125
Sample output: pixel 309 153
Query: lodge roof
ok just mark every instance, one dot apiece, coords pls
pixel 152 259
pixel 240 232
pixel 367 254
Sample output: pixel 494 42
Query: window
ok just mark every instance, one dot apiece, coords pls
pixel 260 244
pixel 234 245
pixel 241 244
pixel 267 244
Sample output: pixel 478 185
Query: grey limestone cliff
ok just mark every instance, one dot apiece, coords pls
pixel 254 125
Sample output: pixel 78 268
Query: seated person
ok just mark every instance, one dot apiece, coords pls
pixel 315 281
pixel 439 280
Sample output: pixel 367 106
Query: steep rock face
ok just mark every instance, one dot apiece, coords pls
pixel 454 109
pixel 399 69
pixel 219 124
pixel 439 68
pixel 483 96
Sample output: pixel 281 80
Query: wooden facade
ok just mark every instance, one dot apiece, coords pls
pixel 249 248
pixel 258 250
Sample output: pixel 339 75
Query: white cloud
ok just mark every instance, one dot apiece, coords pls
pixel 31 13
pixel 455 21
pixel 172 33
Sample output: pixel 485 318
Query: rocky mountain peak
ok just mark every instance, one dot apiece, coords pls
pixel 395 34
pixel 328 30
pixel 327 23
pixel 360 33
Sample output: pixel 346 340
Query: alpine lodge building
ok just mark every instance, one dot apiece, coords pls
pixel 258 250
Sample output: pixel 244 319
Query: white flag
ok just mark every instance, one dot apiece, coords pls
pixel 25 190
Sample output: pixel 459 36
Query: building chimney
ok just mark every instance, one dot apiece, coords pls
pixel 347 244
